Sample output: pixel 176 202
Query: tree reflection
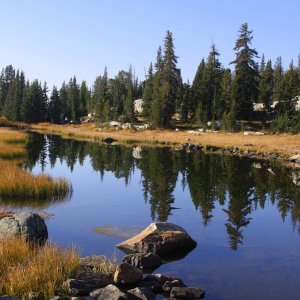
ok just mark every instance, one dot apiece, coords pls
pixel 238 185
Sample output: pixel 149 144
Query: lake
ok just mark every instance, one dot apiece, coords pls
pixel 243 213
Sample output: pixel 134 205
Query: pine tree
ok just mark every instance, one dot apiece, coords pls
pixel 266 84
pixel 55 106
pixel 128 104
pixel 167 84
pixel 63 95
pixel 212 81
pixel 185 104
pixel 73 99
pixel 199 92
pixel 84 96
pixel 278 93
pixel 6 78
pixel 10 108
pixel 245 84
pixel 148 93
pixel 32 106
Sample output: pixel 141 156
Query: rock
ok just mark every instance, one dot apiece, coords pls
pixel 161 238
pixel 127 274
pixel 77 287
pixel 187 293
pixel 108 140
pixel 293 158
pixel 155 282
pixel 141 293
pixel 36 296
pixel 110 292
pixel 96 280
pixel 167 287
pixel 29 226
pixel 145 261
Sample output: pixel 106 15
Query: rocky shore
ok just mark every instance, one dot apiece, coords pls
pixel 133 278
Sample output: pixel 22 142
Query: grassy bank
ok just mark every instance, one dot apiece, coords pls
pixel 16 183
pixel 24 270
pixel 283 144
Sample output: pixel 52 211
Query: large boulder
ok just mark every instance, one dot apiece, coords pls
pixel 161 238
pixel 27 225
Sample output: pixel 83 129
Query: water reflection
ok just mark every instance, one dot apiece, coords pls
pixel 239 185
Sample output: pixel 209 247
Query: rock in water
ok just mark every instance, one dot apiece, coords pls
pixel 161 238
pixel 29 226
pixel 145 261
pixel 127 274
pixel 108 140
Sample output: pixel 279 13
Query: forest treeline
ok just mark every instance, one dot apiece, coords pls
pixel 216 93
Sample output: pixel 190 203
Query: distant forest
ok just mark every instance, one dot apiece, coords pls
pixel 216 94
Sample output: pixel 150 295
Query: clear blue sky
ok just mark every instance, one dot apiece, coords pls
pixel 54 40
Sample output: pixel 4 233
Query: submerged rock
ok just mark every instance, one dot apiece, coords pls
pixel 27 225
pixel 145 261
pixel 161 238
pixel 187 293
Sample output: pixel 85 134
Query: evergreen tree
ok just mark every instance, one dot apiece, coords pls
pixel 245 84
pixel 199 92
pixel 148 93
pixel 73 104
pixel 171 81
pixel 6 78
pixel 212 80
pixel 266 84
pixel 63 94
pixel 55 106
pixel 291 83
pixel 278 93
pixel 84 96
pixel 185 104
pixel 11 105
pixel 128 104
pixel 32 106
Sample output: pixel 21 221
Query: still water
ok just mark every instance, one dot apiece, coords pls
pixel 244 214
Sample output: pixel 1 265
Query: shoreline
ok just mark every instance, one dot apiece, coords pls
pixel 283 145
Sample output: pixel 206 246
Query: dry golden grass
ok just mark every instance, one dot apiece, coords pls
pixel 24 270
pixel 284 144
pixel 12 143
pixel 16 183
pixel 20 184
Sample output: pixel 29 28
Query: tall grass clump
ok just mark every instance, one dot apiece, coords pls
pixel 18 183
pixel 12 143
pixel 25 270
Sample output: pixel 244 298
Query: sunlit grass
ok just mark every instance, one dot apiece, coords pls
pixel 24 269
pixel 101 264
pixel 20 184
pixel 16 183
pixel 12 143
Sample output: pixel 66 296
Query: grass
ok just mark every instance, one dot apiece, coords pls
pixel 16 183
pixel 100 264
pixel 12 143
pixel 20 184
pixel 25 270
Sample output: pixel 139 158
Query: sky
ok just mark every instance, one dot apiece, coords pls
pixel 53 40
